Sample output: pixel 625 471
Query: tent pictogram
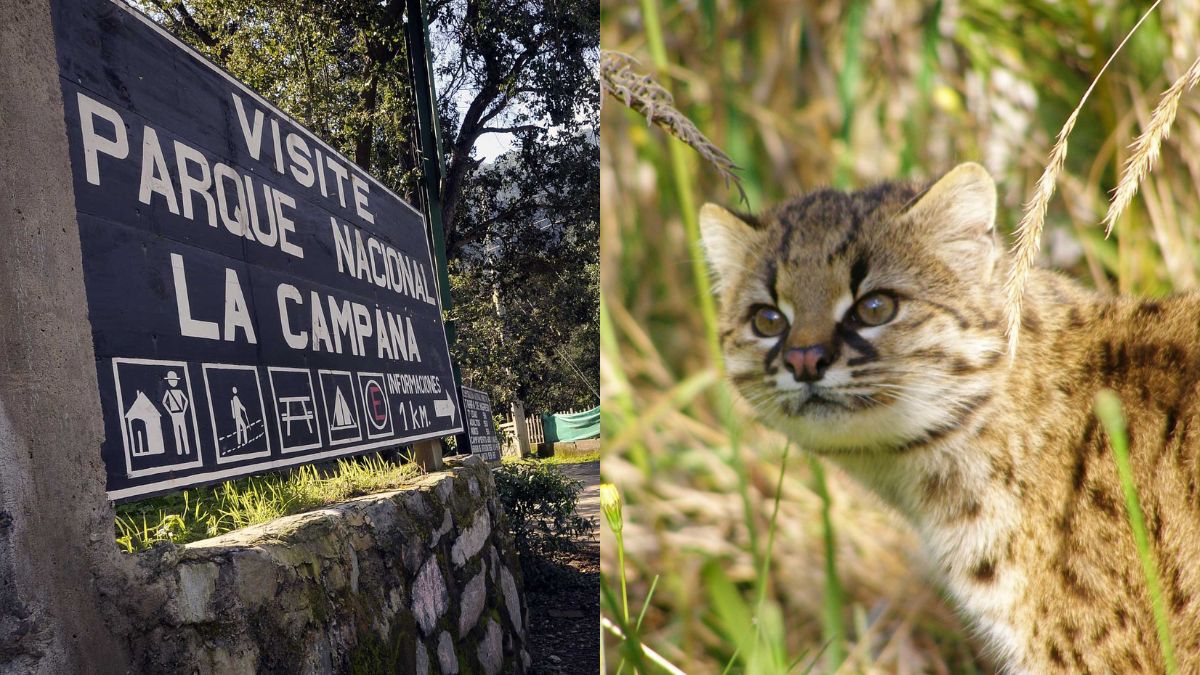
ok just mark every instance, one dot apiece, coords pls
pixel 342 420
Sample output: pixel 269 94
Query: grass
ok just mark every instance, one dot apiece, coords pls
pixel 1029 231
pixel 1108 410
pixel 206 512
pixel 802 95
pixel 581 458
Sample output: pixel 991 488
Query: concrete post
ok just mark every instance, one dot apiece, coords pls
pixel 521 428
pixel 56 526
pixel 428 455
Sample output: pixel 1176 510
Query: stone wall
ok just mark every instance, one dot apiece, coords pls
pixel 423 580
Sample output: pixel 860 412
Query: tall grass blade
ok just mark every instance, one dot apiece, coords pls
pixel 656 658
pixel 683 194
pixel 1108 409
pixel 833 619
pixel 764 573
pixel 849 80
pixel 735 616
pixel 647 601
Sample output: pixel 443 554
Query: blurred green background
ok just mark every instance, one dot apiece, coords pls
pixel 803 95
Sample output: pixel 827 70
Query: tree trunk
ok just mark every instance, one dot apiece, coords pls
pixel 366 134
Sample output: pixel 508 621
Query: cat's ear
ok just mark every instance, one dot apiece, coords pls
pixel 727 241
pixel 959 213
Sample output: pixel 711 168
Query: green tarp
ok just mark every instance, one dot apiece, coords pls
pixel 574 427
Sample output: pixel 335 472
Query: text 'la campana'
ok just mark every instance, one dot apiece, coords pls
pixel 245 206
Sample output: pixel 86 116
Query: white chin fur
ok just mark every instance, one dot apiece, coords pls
pixel 830 430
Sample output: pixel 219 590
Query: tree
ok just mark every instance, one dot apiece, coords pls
pixel 505 66
pixel 339 67
pixel 519 67
pixel 529 294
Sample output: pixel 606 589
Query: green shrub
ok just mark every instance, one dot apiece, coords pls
pixel 539 501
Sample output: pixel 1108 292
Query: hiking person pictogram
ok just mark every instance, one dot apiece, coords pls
pixel 176 402
pixel 241 420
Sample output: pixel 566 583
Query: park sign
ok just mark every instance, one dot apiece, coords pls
pixel 256 300
pixel 481 426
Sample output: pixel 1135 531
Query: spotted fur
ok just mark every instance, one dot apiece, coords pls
pixel 999 465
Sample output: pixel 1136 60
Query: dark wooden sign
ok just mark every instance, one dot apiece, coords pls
pixel 481 426
pixel 256 300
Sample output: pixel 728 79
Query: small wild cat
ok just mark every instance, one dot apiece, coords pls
pixel 867 326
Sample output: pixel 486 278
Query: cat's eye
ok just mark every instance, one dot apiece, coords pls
pixel 875 309
pixel 768 322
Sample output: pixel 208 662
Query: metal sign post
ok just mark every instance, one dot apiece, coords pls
pixel 432 165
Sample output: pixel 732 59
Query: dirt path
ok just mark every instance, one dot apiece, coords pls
pixel 564 626
pixel 589 499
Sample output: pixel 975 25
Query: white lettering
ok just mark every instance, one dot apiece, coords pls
pixel 189 327
pixel 294 340
pixel 286 225
pixel 384 347
pixel 361 188
pixel 375 261
pixel 320 328
pixel 191 185
pixel 271 235
pixel 342 318
pixel 321 172
pixel 237 315
pixel 278 149
pixel 94 143
pixel 363 271
pixel 392 264
pixel 340 172
pixel 345 249
pixel 234 222
pixel 155 177
pixel 414 352
pixel 348 328
pixel 399 344
pixel 362 327
pixel 299 154
pixel 253 135
pixel 373 247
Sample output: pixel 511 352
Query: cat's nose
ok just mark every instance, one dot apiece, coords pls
pixel 808 364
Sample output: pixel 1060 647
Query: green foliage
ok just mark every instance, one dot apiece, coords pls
pixel 539 502
pixel 338 67
pixel 524 227
pixel 528 292
pixel 206 512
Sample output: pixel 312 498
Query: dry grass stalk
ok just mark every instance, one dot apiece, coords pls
pixel 648 98
pixel 1029 231
pixel 1146 147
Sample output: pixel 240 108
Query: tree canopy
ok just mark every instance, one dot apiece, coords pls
pixel 521 231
